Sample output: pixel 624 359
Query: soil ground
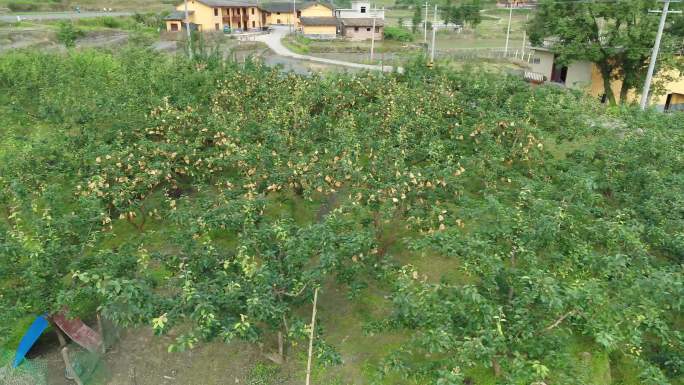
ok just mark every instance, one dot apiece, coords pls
pixel 138 357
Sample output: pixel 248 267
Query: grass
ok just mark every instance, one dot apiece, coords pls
pixel 85 5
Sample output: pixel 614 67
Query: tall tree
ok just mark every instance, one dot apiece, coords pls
pixel 616 36
pixel 471 12
pixel 417 18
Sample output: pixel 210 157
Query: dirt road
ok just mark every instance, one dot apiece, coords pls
pixel 12 17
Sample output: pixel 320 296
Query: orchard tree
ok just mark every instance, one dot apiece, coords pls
pixel 616 36
pixel 417 18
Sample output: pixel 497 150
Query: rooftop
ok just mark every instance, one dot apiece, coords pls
pixel 177 15
pixel 362 22
pixel 228 3
pixel 313 21
pixel 279 7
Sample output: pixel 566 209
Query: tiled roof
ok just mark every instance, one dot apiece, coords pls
pixel 361 22
pixel 313 21
pixel 177 15
pixel 228 3
pixel 278 7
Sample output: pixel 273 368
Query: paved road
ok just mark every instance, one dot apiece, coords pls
pixel 273 42
pixel 12 17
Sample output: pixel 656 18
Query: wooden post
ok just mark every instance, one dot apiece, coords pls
pixel 69 367
pixel 311 337
pixel 60 336
pixel 101 331
pixel 281 348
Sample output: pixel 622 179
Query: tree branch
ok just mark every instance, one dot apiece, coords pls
pixel 559 320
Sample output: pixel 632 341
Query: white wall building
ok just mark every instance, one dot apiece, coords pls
pixel 360 9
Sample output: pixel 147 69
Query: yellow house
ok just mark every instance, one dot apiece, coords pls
pixel 214 15
pixel 316 9
pixel 282 13
pixel 323 27
pixel 317 20
pixel 585 75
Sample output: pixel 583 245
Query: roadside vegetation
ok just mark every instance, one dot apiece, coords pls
pixel 84 5
pixel 462 227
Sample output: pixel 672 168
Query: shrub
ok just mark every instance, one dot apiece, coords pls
pixel 398 33
pixel 68 34
pixel 16 6
pixel 111 22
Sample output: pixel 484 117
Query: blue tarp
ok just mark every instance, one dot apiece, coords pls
pixel 30 338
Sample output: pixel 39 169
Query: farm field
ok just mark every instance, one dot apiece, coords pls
pixel 455 226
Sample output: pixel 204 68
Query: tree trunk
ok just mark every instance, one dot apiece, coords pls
pixel 624 89
pixel 605 74
pixel 496 367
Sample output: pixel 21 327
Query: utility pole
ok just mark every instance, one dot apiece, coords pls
pixel 525 35
pixel 654 55
pixel 187 28
pixel 434 30
pixel 425 23
pixel 373 36
pixel 294 16
pixel 508 33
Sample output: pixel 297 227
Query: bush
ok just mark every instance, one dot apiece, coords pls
pixel 68 34
pixel 111 22
pixel 16 6
pixel 398 33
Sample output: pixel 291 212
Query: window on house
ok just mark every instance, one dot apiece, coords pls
pixel 277 13
pixel 253 25
pixel 363 9
pixel 368 29
pixel 217 26
pixel 377 29
pixel 215 11
pixel 356 29
pixel 174 27
pixel 278 21
pixel 252 11
pixel 238 11
pixel 299 14
pixel 536 60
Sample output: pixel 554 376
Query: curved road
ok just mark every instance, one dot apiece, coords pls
pixel 273 41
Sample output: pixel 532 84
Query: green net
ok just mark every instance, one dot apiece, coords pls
pixel 90 367
pixel 30 372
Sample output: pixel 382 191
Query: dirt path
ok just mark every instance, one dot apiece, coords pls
pixel 12 17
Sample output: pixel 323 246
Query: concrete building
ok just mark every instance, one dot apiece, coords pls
pixel 214 15
pixel 360 9
pixel 584 75
pixel 361 28
pixel 356 23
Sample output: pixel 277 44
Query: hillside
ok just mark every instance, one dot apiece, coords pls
pixel 461 227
